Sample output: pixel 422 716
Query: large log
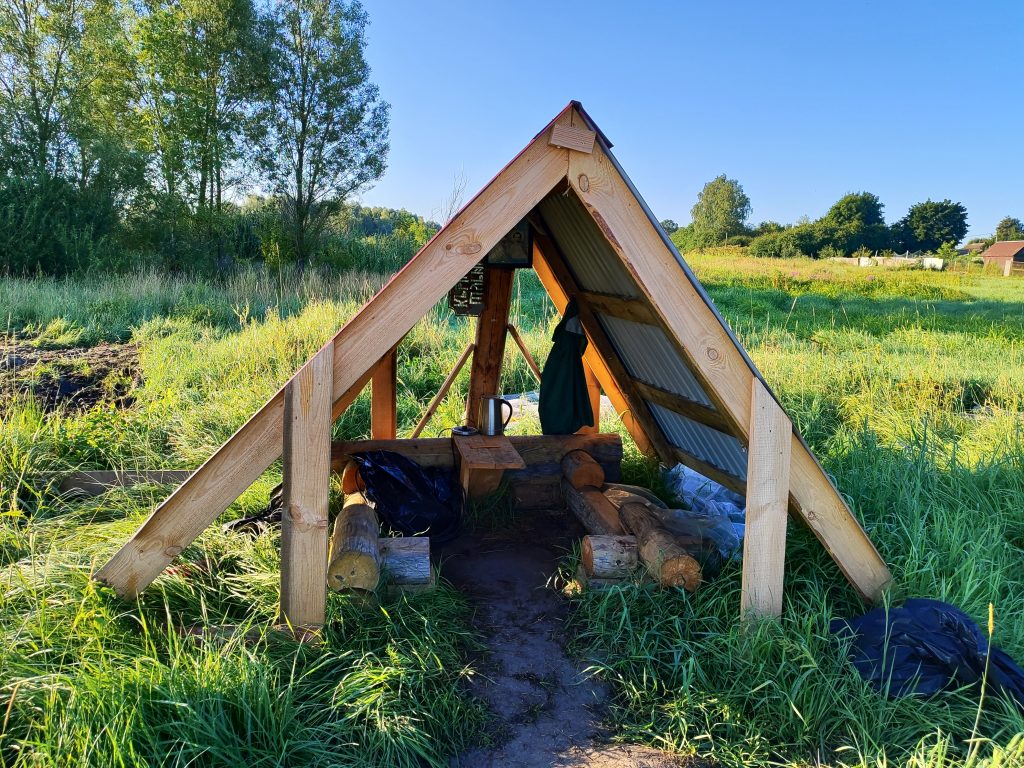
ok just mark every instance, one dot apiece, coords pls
pixel 581 470
pixel 666 560
pixel 406 560
pixel 592 509
pixel 609 557
pixel 355 551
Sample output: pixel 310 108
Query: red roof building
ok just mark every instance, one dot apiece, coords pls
pixel 1007 250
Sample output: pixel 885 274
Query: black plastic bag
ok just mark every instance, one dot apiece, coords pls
pixel 412 500
pixel 924 647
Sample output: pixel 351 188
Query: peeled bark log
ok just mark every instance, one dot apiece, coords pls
pixel 594 511
pixel 666 560
pixel 351 482
pixel 355 552
pixel 406 560
pixel 581 470
pixel 609 557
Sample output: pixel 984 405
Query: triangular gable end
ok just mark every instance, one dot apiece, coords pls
pixel 673 369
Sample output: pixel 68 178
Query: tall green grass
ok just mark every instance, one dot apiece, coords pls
pixel 907 384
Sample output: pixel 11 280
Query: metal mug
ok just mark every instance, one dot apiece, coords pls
pixel 490 421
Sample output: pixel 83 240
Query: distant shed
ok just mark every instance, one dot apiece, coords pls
pixel 1002 254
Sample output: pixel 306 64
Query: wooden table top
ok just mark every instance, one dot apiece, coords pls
pixel 487 452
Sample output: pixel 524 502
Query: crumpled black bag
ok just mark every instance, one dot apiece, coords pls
pixel 924 647
pixel 412 500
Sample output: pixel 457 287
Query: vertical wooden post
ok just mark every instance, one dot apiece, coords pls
pixel 491 329
pixel 384 398
pixel 307 466
pixel 594 390
pixel 764 546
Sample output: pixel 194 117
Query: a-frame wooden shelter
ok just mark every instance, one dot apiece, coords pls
pixel 684 386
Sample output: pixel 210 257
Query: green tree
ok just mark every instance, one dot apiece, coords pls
pixel 327 126
pixel 1010 228
pixel 37 83
pixel 929 224
pixel 669 225
pixel 854 221
pixel 721 210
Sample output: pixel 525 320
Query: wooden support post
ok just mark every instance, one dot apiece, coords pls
pixel 307 466
pixel 383 398
pixel 594 390
pixel 492 325
pixel 764 545
pixel 445 386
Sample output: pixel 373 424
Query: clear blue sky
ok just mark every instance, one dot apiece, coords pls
pixel 800 101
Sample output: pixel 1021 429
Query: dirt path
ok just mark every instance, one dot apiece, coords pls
pixel 75 378
pixel 548 712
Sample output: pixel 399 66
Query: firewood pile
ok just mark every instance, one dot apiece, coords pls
pixel 625 528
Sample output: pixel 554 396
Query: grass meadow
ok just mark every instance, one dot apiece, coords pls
pixel 909 386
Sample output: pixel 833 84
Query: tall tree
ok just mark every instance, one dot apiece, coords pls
pixel 327 126
pixel 202 68
pixel 1010 228
pixel 37 41
pixel 855 221
pixel 929 224
pixel 721 210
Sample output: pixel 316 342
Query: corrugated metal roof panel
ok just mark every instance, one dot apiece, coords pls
pixel 707 444
pixel 596 266
pixel 650 356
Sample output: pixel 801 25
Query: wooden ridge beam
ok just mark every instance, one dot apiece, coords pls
pixel 375 329
pixel 715 359
pixel 684 406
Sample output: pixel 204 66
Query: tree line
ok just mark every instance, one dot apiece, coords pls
pixel 189 133
pixel 854 224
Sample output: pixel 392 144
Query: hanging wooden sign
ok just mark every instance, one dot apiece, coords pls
pixel 467 297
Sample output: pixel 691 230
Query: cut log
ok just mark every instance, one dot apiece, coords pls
pixel 666 560
pixel 406 560
pixel 351 482
pixel 580 469
pixel 355 551
pixel 609 557
pixel 594 511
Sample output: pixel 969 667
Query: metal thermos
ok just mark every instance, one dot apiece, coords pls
pixel 490 421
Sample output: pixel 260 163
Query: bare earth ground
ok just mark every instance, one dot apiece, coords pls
pixel 76 378
pixel 548 713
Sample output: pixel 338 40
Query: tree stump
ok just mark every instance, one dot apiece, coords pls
pixel 355 553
